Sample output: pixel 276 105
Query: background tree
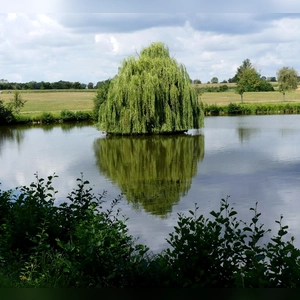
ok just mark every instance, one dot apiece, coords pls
pixel 248 81
pixel 246 65
pixel 90 86
pixel 76 85
pixel 287 80
pixel 46 85
pixel 271 79
pixel 197 81
pixel 151 94
pixel 214 80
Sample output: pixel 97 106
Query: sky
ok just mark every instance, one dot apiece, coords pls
pixel 81 42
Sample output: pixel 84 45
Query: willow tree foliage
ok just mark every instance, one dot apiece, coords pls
pixel 151 94
pixel 153 172
pixel 101 96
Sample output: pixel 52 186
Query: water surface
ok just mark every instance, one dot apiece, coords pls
pixel 251 158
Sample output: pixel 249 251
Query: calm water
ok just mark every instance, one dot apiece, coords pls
pixel 251 158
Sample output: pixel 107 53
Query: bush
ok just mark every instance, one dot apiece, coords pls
pixel 89 247
pixel 223 88
pixel 6 114
pixel 212 110
pixel 210 89
pixel 234 109
pixel 225 252
pixel 79 244
pixel 67 115
pixel 47 118
pixel 265 86
pixel 83 116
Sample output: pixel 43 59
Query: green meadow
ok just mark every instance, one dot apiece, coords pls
pixel 55 101
pixel 225 98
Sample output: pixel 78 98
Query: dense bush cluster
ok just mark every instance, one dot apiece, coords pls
pixel 79 244
pixel 251 109
pixel 209 89
pixel 73 244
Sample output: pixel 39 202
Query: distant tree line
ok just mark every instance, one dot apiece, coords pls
pixel 45 85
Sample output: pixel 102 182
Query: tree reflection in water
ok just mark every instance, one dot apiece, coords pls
pixel 11 134
pixel 153 172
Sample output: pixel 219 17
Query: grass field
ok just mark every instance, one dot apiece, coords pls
pixel 54 101
pixel 225 98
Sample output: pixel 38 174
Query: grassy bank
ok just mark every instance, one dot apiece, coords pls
pixel 255 108
pixel 254 103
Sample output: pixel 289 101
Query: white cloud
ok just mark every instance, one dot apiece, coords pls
pixel 52 47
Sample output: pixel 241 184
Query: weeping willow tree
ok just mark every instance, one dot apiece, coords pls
pixel 152 172
pixel 151 94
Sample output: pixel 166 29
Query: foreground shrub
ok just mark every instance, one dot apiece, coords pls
pixel 226 252
pixel 88 246
pixel 79 244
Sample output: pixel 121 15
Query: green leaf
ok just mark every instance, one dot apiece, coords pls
pixel 232 213
pixel 214 214
pixel 260 257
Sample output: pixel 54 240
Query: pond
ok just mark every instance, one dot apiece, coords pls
pixel 249 158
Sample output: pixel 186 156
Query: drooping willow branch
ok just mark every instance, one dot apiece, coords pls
pixel 151 94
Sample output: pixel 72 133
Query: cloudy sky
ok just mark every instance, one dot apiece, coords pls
pixel 89 47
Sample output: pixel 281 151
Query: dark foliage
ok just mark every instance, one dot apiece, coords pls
pixel 79 244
